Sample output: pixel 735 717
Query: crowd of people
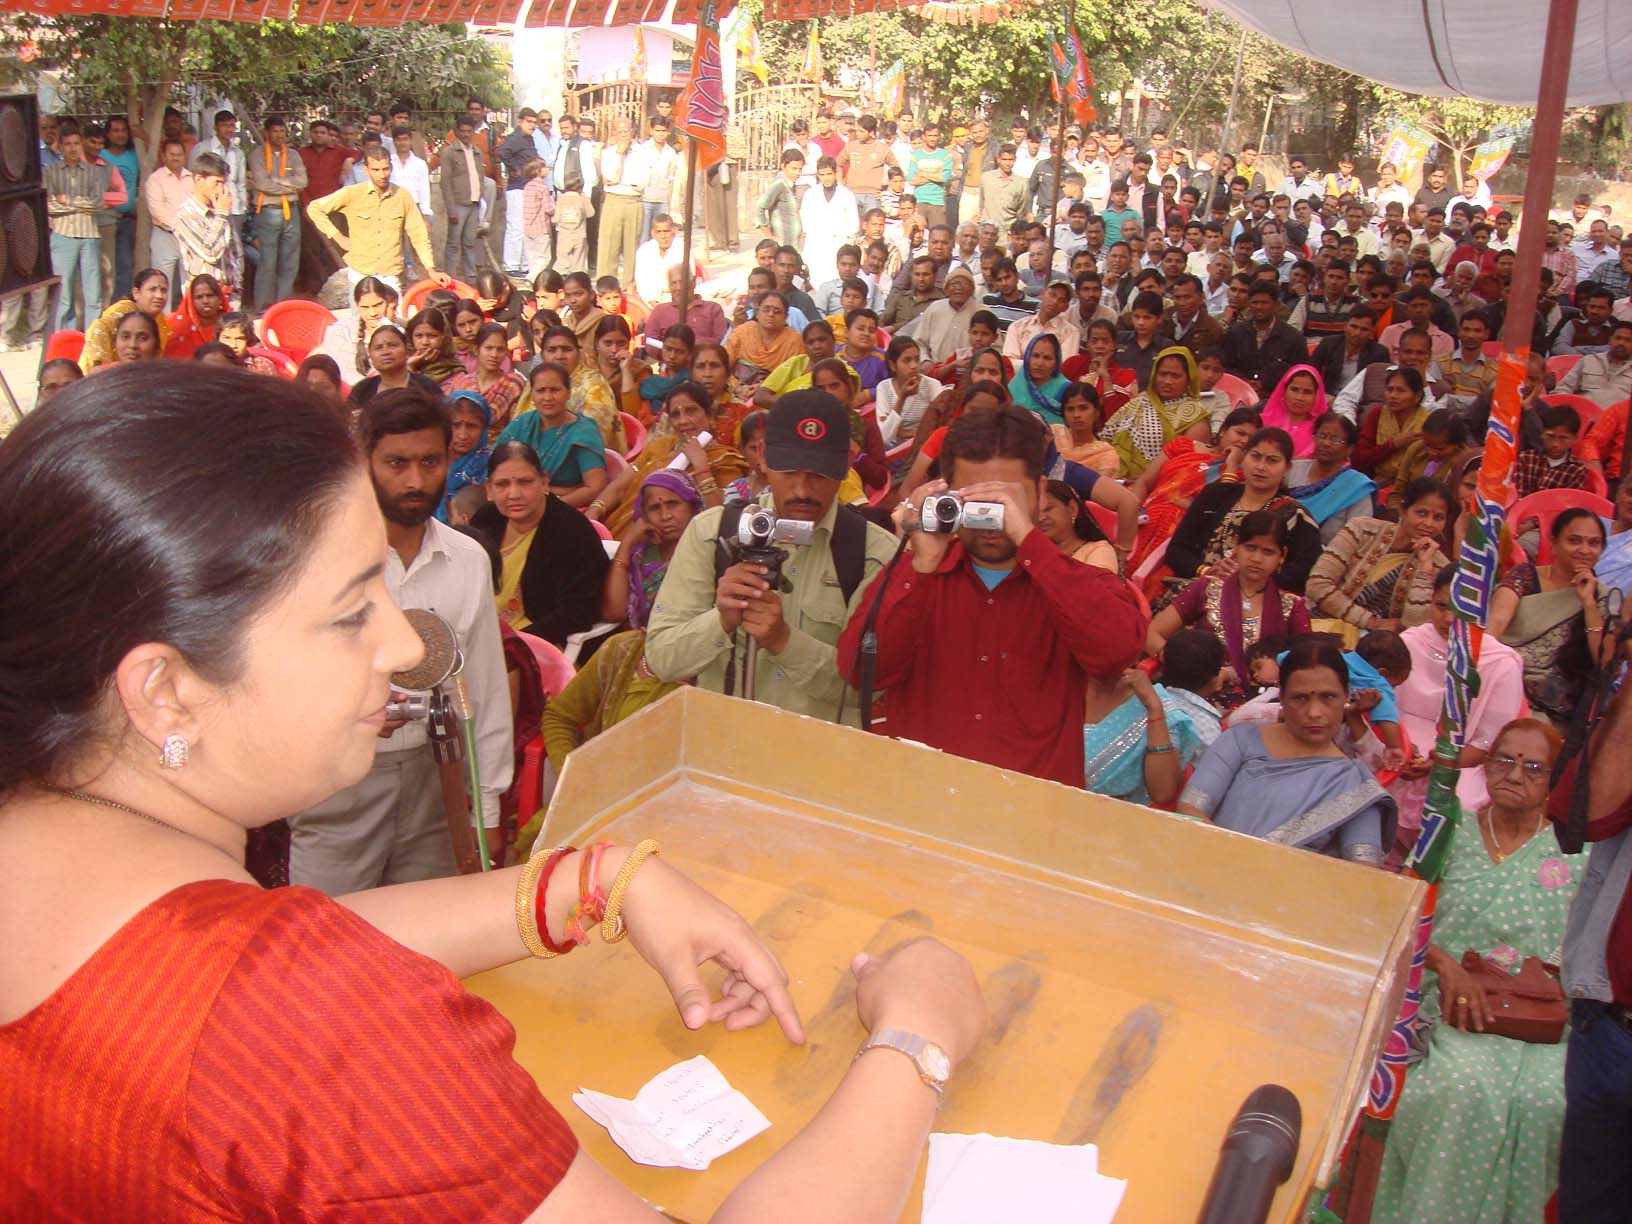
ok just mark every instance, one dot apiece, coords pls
pixel 1131 470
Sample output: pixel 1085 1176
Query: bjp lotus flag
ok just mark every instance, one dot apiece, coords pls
pixel 892 89
pixel 812 69
pixel 1060 65
pixel 702 109
pixel 637 61
pixel 1082 81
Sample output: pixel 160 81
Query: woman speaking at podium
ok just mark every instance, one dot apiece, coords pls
pixel 195 639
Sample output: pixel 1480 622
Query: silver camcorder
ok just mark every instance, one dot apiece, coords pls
pixel 944 513
pixel 760 528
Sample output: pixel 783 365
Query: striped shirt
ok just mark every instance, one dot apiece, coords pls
pixel 76 197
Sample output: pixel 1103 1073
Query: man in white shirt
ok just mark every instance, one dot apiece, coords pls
pixel 391 827
pixel 1300 185
pixel 654 258
pixel 1594 249
pixel 662 164
pixel 413 174
pixel 1354 226
pixel 1439 243
pixel 624 166
pixel 1474 193
pixel 829 218
pixel 1389 189
pixel 224 144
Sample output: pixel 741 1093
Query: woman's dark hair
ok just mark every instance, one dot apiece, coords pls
pixel 544 319
pixel 1446 423
pixel 610 324
pixel 507 451
pixel 1445 576
pixel 376 286
pixel 1278 438
pixel 1009 432
pixel 820 327
pixel 491 284
pixel 468 306
pixel 433 319
pixel 444 302
pixel 1426 486
pixel 1573 514
pixel 549 281
pixel 149 320
pixel 1308 656
pixel 488 330
pixel 581 279
pixel 215 349
pixel 683 333
pixel 694 391
pixel 1263 523
pixel 324 363
pixel 898 346
pixel 560 333
pixel 752 426
pixel 1412 378
pixel 835 366
pixel 146 274
pixel 1243 416
pixel 987 319
pixel 93 517
pixel 1191 660
pixel 1084 524
pixel 1081 390
pixel 1098 324
pixel 63 363
pixel 206 279
pixel 1350 431
pixel 553 367
pixel 986 386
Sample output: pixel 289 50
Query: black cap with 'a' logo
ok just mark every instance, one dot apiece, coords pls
pixel 808 431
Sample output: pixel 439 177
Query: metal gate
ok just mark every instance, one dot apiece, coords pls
pixel 760 125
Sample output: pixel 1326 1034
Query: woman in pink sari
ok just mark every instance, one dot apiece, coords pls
pixel 1500 700
pixel 1297 400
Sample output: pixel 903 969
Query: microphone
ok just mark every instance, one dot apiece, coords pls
pixel 1257 1157
pixel 441 658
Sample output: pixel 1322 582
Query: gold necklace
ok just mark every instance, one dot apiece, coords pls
pixel 87 797
pixel 1488 828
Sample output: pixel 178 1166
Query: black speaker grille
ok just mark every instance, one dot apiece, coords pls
pixel 22 238
pixel 14 143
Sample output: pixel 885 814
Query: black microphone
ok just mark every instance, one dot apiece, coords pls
pixel 1257 1157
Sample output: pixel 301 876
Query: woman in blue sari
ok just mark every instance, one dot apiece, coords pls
pixel 468 450
pixel 1287 782
pixel 569 446
pixel 1330 489
pixel 1038 384
pixel 1136 740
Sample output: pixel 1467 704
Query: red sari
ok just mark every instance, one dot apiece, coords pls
pixel 187 331
pixel 232 1053
pixel 1182 475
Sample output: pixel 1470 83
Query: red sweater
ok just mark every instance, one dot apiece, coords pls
pixel 999 676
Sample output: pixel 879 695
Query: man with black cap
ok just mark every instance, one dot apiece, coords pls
pixel 711 605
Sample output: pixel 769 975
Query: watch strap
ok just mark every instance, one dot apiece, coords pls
pixel 913 1046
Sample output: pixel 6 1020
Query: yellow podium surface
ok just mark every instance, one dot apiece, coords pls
pixel 1144 972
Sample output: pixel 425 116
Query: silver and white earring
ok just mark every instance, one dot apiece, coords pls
pixel 175 753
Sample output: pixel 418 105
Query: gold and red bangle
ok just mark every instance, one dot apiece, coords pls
pixel 531 887
pixel 1231 478
pixel 541 906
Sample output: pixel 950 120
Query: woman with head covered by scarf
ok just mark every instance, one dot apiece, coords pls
pixel 468 450
pixel 667 501
pixel 1038 384
pixel 1170 406
pixel 1297 402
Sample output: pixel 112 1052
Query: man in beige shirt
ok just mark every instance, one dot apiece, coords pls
pixel 380 216
pixel 165 190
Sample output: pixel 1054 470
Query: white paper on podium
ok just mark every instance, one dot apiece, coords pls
pixel 974 1179
pixel 681 1118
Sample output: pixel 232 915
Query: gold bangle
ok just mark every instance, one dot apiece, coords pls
pixel 526 917
pixel 612 928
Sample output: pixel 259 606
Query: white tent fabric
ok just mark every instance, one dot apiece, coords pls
pixel 1486 49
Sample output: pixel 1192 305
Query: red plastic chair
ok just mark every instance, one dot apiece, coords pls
pixel 1562 364
pixel 635 435
pixel 295 327
pixel 1105 517
pixel 616 465
pixel 1240 393
pixel 414 298
pixel 601 529
pixel 1596 484
pixel 1547 505
pixel 285 365
pixel 557 673
pixel 64 344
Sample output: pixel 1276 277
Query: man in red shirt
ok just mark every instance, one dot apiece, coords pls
pixel 1594 1175
pixel 324 157
pixel 986 639
pixel 826 139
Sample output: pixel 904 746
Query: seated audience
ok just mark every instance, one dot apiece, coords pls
pixel 1288 782
pixel 1168 407
pixel 906 394
pixel 1063 518
pixel 1166 489
pixel 150 294
pixel 1137 741
pixel 388 357
pixel 1553 466
pixel 1078 438
pixel 666 503
pixel 468 448
pixel 567 445
pixel 710 466
pixel 1293 406
pixel 1327 486
pixel 1392 426
pixel 1438 451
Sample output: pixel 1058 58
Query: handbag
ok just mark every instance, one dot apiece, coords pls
pixel 1526 1006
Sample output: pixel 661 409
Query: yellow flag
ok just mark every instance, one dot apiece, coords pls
pixel 812 70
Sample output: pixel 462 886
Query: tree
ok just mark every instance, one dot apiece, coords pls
pixel 134 65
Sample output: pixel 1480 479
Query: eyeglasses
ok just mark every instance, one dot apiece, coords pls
pixel 1501 763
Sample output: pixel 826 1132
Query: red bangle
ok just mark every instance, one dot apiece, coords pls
pixel 539 909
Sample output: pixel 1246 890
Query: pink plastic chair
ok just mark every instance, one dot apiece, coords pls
pixel 1562 364
pixel 67 345
pixel 1547 505
pixel 557 672
pixel 414 297
pixel 1238 390
pixel 1588 410
pixel 601 529
pixel 281 361
pixel 295 327
pixel 1105 517
pixel 635 433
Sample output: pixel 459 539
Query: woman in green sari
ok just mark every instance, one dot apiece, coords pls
pixel 568 445
pixel 1553 615
pixel 1171 405
pixel 1476 1137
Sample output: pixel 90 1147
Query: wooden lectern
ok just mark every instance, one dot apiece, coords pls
pixel 1144 972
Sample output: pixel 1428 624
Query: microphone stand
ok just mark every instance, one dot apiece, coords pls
pixel 867 664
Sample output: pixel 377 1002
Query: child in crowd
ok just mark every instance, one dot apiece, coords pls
pixel 1554 466
pixel 860 350
pixel 1210 365
pixel 537 207
pixel 609 296
pixel 238 334
pixel 572 213
pixel 1192 671
pixel 853 296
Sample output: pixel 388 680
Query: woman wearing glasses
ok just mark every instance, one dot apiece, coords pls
pixel 1477 1133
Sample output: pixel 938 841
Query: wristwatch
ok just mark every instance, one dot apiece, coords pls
pixel 934 1067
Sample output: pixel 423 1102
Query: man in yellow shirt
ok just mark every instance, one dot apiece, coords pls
pixel 379 216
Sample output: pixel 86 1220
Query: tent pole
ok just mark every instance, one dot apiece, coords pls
pixel 1538 184
pixel 1235 92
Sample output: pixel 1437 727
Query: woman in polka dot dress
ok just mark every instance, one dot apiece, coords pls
pixel 1476 1137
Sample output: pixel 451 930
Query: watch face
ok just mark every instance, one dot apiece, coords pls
pixel 935 1062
